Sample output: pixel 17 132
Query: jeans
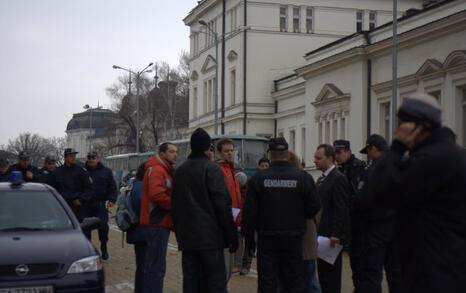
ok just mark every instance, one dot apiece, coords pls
pixel 204 271
pixel 156 254
pixel 140 249
pixel 311 285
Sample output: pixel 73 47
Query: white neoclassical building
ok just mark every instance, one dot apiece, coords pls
pixel 258 43
pixel 344 90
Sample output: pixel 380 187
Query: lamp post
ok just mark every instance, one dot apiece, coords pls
pixel 138 75
pixel 87 107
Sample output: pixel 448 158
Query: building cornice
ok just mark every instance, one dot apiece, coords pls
pixel 290 112
pixel 289 92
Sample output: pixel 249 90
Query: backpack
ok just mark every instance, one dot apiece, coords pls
pixel 125 216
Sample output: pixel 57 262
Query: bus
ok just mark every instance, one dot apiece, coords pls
pixel 248 151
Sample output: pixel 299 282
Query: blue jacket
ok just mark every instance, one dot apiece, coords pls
pixel 104 184
pixel 137 233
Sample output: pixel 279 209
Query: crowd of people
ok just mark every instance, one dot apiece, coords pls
pixel 402 212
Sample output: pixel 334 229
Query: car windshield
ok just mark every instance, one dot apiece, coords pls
pixel 32 210
pixel 254 151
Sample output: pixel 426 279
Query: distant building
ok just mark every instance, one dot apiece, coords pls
pixel 90 128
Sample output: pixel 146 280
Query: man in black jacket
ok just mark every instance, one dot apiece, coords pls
pixel 352 168
pixel 422 176
pixel 74 184
pixel 334 191
pixel 105 194
pixel 4 175
pixel 380 249
pixel 202 218
pixel 47 173
pixel 25 167
pixel 278 201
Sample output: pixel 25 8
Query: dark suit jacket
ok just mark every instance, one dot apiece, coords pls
pixel 334 192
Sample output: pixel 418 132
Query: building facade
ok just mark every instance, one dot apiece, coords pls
pixel 259 42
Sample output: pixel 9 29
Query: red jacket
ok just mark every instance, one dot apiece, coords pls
pixel 229 172
pixel 156 193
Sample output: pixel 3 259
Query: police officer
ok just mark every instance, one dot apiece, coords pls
pixel 105 194
pixel 380 248
pixel 24 166
pixel 74 184
pixel 47 173
pixel 278 201
pixel 352 168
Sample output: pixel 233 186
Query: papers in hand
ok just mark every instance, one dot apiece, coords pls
pixel 325 252
pixel 235 212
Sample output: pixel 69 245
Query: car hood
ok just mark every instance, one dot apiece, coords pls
pixel 44 247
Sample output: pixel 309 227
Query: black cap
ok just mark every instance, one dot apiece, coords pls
pixel 70 151
pixel 92 154
pixel 200 141
pixel 23 155
pixel 416 108
pixel 341 144
pixel 278 144
pixel 50 158
pixel 375 140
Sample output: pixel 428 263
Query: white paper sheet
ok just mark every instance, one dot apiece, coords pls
pixel 235 212
pixel 325 252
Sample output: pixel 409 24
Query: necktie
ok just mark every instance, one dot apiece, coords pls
pixel 321 179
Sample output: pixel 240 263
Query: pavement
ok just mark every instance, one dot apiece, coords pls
pixel 120 267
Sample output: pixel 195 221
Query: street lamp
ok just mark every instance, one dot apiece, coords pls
pixel 138 75
pixel 216 38
pixel 87 107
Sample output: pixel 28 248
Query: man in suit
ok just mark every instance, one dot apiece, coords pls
pixel 334 191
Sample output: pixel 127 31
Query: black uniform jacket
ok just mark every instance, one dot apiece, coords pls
pixel 201 206
pixel 104 183
pixel 428 189
pixel 278 201
pixel 74 183
pixel 47 177
pixel 353 169
pixel 334 192
pixel 17 167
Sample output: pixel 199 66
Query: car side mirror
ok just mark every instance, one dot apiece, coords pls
pixel 90 224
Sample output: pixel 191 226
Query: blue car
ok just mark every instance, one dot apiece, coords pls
pixel 42 246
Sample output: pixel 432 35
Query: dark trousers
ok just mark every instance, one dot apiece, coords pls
pixel 204 271
pixel 381 252
pixel 280 258
pixel 330 275
pixel 140 251
pixel 98 209
pixel 356 250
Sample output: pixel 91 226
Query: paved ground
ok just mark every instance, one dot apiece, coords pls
pixel 120 268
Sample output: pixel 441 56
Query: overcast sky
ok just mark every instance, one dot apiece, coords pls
pixel 57 55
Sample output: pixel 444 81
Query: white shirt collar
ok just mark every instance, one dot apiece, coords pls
pixel 328 170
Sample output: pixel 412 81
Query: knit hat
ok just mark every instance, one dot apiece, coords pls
pixel 421 108
pixel 200 141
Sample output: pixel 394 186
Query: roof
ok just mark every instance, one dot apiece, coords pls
pixel 100 119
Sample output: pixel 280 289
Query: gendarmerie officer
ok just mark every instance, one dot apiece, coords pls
pixel 278 201
pixel 74 184
pixel 105 194
pixel 380 248
pixel 4 175
pixel 24 166
pixel 47 173
pixel 352 168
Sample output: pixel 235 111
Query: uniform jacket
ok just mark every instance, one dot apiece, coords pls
pixel 201 206
pixel 156 193
pixel 278 201
pixel 334 193
pixel 229 172
pixel 4 177
pixel 427 187
pixel 104 183
pixel 17 167
pixel 74 182
pixel 353 169
pixel 137 233
pixel 47 177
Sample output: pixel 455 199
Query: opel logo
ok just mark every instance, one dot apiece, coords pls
pixel 22 270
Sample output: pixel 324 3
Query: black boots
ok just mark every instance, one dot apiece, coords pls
pixel 103 250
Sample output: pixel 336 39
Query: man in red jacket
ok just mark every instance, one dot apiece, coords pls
pixel 155 214
pixel 225 148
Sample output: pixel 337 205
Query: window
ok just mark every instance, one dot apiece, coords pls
pixel 464 116
pixel 195 102
pixel 209 99
pixel 303 145
pixel 205 98
pixel 372 20
pixel 385 120
pixel 359 20
pixel 233 87
pixel 293 140
pixel 343 128
pixel 283 18
pixel 327 132
pixel 335 130
pixel 233 19
pixel 309 12
pixel 321 132
pixel 296 13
